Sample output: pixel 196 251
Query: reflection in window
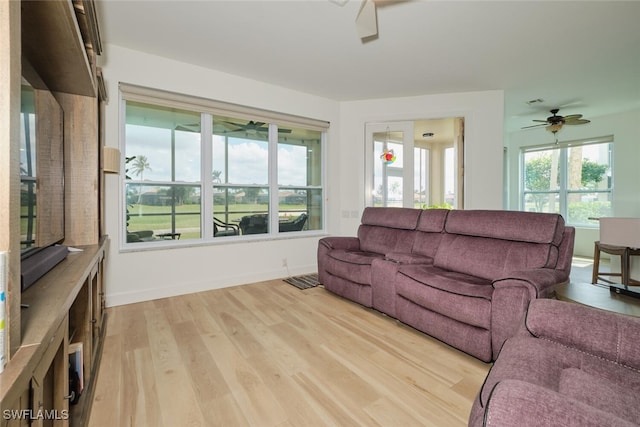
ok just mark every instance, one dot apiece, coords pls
pixel 299 179
pixel 163 147
pixel 27 167
pixel 240 159
pixel 574 181
pixel 246 176
pixel 163 212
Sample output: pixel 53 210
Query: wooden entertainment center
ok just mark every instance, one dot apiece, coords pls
pixel 54 44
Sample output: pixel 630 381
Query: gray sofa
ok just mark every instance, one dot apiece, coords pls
pixel 464 277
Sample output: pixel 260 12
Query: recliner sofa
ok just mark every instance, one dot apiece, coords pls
pixel 464 277
pixel 569 365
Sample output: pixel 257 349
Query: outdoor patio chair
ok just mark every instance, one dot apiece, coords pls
pixel 221 228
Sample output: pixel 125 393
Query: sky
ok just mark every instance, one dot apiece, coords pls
pixel 247 158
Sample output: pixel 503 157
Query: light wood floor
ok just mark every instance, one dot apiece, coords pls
pixel 269 354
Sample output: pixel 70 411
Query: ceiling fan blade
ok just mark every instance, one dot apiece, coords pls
pixel 572 117
pixel 541 121
pixel 535 126
pixel 188 127
pixel 185 128
pixel 367 20
pixel 577 122
pixel 238 127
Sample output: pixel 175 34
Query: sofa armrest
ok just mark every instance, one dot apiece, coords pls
pixel 340 242
pixel 540 281
pixel 511 298
pixel 518 403
pixel 602 333
pixel 405 258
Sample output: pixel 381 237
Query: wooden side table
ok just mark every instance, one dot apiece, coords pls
pixel 625 253
pixel 598 296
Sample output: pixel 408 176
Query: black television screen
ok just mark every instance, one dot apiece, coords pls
pixel 41 170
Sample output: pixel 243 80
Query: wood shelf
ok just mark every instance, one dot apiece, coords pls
pixel 50 300
pixel 51 297
pixel 55 47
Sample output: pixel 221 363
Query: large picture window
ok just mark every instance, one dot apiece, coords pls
pixel 198 172
pixel 571 179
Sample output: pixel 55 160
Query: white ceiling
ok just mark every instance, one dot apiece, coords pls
pixel 583 55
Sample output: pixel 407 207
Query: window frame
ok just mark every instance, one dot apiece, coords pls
pixel 563 190
pixel 208 109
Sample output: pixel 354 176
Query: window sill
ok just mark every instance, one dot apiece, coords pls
pixel 161 245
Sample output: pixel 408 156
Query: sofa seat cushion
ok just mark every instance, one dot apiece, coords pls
pixel 464 298
pixel 404 258
pixel 351 265
pixel 566 371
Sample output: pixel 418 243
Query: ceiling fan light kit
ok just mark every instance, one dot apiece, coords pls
pixel 554 128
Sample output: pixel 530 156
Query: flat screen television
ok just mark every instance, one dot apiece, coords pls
pixel 41 170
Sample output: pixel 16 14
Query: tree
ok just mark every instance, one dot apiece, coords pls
pixel 128 160
pixel 251 194
pixel 538 172
pixel 139 165
pixel 592 173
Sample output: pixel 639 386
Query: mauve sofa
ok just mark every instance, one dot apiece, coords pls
pixel 569 366
pixel 464 277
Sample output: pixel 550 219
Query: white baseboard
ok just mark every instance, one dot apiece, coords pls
pixel 123 298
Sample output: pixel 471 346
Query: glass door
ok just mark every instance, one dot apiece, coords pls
pixel 389 164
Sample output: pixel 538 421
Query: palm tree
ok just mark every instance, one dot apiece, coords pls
pixel 139 165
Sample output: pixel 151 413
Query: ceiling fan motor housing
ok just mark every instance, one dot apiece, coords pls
pixel 555 119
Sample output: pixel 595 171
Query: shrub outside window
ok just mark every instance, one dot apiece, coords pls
pixel 573 180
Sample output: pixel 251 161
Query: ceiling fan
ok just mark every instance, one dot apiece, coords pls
pixel 555 122
pixel 251 128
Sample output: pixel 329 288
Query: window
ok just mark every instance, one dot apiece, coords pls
pixel 190 160
pixel 571 179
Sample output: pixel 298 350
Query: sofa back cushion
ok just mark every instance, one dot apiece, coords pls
pixel 429 232
pixel 533 227
pixel 490 244
pixel 385 230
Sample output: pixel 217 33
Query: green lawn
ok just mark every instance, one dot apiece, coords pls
pixel 158 218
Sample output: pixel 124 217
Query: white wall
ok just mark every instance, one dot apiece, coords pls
pixel 625 128
pixel 483 158
pixel 144 275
